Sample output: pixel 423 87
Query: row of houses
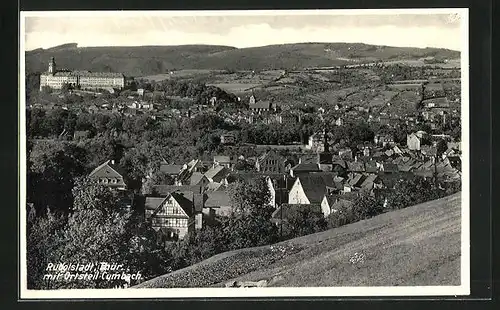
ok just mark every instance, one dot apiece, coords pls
pixel 199 192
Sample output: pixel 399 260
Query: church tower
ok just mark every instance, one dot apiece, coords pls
pixel 325 157
pixel 52 66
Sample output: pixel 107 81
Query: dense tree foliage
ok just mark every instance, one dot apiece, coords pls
pixel 300 220
pixel 408 192
pixel 98 229
pixel 252 213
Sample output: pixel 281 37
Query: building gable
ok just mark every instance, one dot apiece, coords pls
pixel 297 194
pixel 169 207
pixel 105 171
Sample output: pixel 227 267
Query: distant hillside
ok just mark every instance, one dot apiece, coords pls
pixel 150 60
pixel 416 246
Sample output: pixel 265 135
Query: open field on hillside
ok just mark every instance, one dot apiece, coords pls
pixel 452 63
pixel 419 245
pixel 235 87
pixel 181 74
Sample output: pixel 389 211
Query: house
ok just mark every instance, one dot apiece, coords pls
pixel 227 138
pixel 454 161
pixel 356 166
pixel 215 187
pixel 304 168
pixel 259 106
pixel 316 141
pixel 224 161
pixel 196 165
pixel 436 102
pixel 371 182
pixel 271 162
pixel 384 140
pixel 354 182
pixel 413 142
pixel 171 169
pixel 397 150
pixel 109 174
pixel 173 215
pixel 389 153
pixel 198 178
pixel 217 203
pixel 335 203
pixel 310 189
pixel 288 118
pixel 164 190
pixel 389 168
pixel 371 166
pixel 217 174
pixel 279 187
pixel 339 166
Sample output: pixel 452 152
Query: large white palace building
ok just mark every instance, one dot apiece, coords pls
pixel 80 79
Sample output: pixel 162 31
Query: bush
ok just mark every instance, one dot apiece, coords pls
pixel 300 220
pixel 409 192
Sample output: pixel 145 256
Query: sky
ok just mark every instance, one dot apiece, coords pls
pixel 244 29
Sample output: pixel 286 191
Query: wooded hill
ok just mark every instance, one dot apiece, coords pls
pixel 149 60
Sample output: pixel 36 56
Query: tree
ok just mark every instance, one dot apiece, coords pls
pixel 65 88
pixel 250 223
pixel 157 178
pixel 43 236
pixel 441 147
pixel 204 243
pixel 53 168
pixel 366 206
pixel 99 230
pixel 243 165
pixel 46 89
pixel 415 190
pixel 300 220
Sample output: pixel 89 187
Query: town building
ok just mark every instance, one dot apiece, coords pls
pixel 108 174
pixel 384 140
pixel 270 162
pixel 311 188
pixel 259 106
pixel 174 215
pixel 413 142
pixel 227 138
pixel 85 80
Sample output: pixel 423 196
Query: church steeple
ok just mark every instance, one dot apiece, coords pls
pixel 52 66
pixel 325 157
pixel 325 141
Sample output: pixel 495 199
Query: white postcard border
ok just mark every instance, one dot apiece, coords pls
pixel 463 289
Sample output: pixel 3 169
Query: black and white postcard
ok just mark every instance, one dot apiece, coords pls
pixel 174 154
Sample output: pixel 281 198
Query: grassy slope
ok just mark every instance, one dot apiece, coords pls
pixel 419 245
pixel 150 60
